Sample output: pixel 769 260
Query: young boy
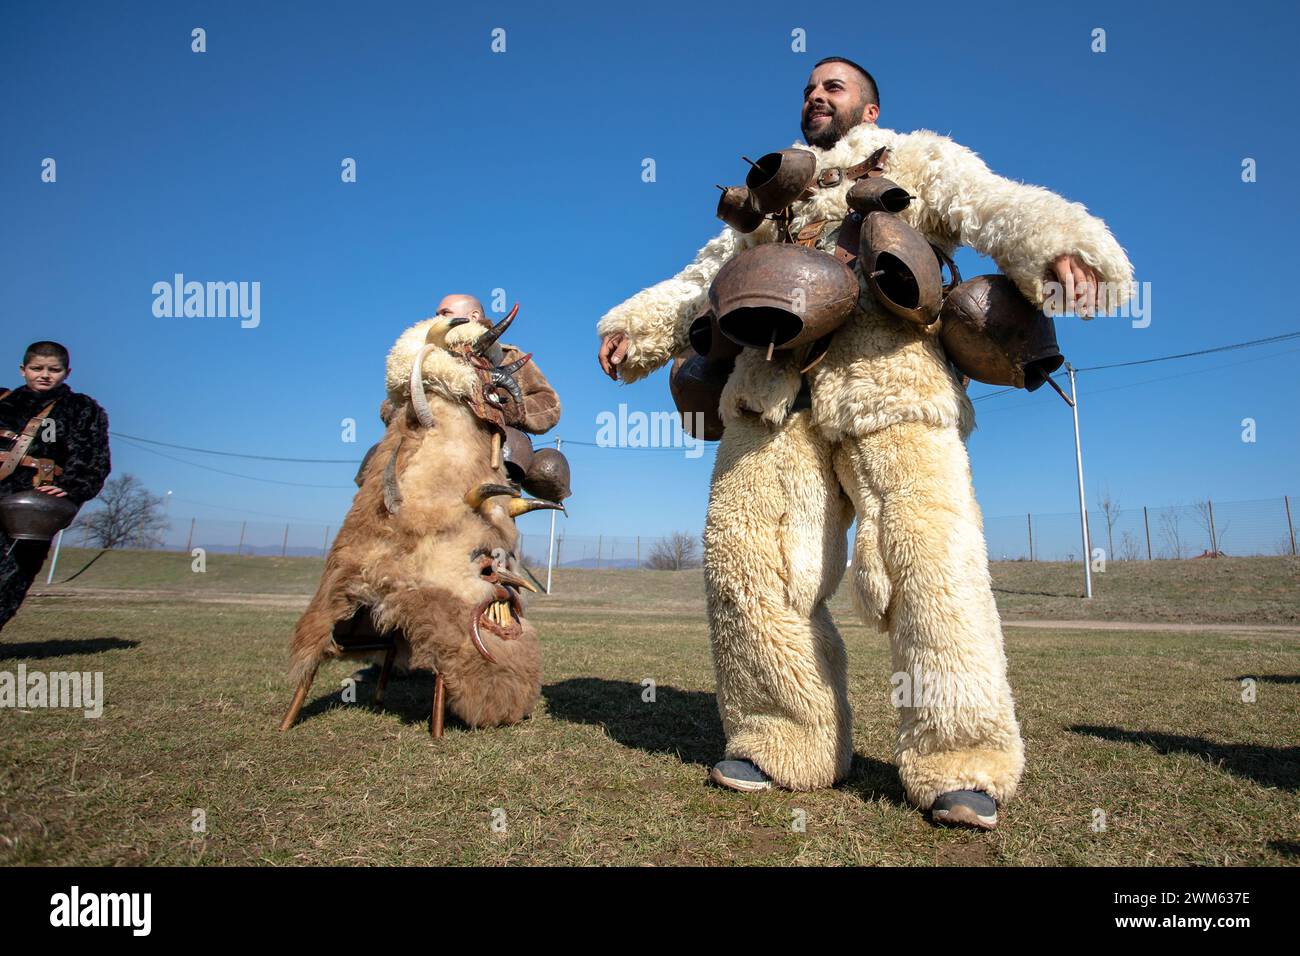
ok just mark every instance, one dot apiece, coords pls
pixel 66 455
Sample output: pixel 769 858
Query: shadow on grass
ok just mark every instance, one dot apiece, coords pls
pixel 680 722
pixel 683 723
pixel 39 650
pixel 1285 847
pixel 1267 766
pixel 409 697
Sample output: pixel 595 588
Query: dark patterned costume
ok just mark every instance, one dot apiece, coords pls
pixel 79 447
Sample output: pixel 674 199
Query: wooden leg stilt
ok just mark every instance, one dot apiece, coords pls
pixel 384 675
pixel 299 697
pixel 439 706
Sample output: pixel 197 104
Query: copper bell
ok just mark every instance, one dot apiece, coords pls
pixel 736 209
pixel 782 296
pixel 548 476
pixel 995 335
pixel 696 384
pixel 516 454
pixel 35 516
pixel 778 179
pixel 877 194
pixel 901 268
pixel 707 339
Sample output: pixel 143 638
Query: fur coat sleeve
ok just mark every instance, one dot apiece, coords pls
pixel 1021 227
pixel 656 319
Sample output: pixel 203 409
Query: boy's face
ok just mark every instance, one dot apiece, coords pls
pixel 44 372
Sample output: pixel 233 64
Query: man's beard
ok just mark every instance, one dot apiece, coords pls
pixel 832 132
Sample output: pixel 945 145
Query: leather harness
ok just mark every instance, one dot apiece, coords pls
pixel 16 456
pixel 846 244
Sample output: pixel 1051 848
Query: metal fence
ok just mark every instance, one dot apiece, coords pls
pixel 1236 528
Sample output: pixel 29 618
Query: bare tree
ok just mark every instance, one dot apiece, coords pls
pixel 1129 549
pixel 1171 531
pixel 676 552
pixel 128 516
pixel 1110 510
pixel 1214 530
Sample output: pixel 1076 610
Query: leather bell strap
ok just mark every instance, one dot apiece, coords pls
pixel 17 455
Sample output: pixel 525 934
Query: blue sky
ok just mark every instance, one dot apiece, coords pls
pixel 522 171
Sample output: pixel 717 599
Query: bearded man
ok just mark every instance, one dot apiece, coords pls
pixel 875 430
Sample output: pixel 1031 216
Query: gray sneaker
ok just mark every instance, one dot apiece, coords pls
pixel 742 775
pixel 966 808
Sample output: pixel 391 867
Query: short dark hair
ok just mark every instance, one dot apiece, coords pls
pixel 49 350
pixel 868 81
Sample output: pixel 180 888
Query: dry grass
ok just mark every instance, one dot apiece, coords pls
pixel 1148 727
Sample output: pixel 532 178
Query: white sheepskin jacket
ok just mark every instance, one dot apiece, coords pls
pixel 879 369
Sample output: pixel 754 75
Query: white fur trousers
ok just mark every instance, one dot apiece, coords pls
pixel 782 499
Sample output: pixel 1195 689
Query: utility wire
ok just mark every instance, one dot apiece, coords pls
pixel 232 474
pixel 235 454
pixel 1286 336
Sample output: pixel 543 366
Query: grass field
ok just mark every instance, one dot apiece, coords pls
pixel 1147 725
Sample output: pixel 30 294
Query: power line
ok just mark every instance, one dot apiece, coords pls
pixel 235 454
pixel 232 474
pixel 1286 336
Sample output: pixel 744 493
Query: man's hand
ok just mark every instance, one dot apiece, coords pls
pixel 1080 283
pixel 54 490
pixel 613 349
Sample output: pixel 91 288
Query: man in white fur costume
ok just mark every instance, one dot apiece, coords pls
pixel 880 437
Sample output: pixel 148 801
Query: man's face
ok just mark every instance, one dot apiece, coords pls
pixel 463 307
pixel 833 103
pixel 43 372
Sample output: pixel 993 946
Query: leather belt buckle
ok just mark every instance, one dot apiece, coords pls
pixel 830 177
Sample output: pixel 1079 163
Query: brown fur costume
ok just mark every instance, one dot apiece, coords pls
pixel 425 570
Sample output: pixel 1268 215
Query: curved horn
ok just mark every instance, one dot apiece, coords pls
pixel 506 381
pixel 476 496
pixel 485 341
pixel 478 638
pixel 521 506
pixel 516 365
pixel 506 576
pixel 418 399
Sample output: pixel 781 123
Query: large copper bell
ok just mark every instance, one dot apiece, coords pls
pixel 994 334
pixel 778 179
pixel 696 384
pixel 901 268
pixel 736 209
pixel 548 477
pixel 516 454
pixel 877 194
pixel 779 295
pixel 35 516
pixel 707 339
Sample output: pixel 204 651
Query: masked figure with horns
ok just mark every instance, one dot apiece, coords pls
pixel 426 564
pixel 865 420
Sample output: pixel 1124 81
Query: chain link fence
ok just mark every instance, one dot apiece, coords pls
pixel 1235 528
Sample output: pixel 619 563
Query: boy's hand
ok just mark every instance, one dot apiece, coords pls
pixel 54 490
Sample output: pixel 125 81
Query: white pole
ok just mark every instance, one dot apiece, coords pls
pixel 58 543
pixel 550 553
pixel 1083 505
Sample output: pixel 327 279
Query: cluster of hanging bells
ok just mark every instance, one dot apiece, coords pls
pixel 788 294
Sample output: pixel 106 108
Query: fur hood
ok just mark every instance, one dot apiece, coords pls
pixel 444 374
